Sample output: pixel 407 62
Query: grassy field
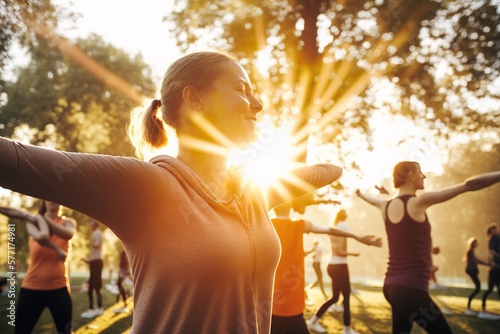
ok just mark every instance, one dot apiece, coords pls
pixel 108 323
pixel 370 313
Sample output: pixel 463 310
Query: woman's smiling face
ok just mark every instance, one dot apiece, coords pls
pixel 231 106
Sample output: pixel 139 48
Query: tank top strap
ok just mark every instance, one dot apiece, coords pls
pixel 405 199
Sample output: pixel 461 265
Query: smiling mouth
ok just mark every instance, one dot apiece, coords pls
pixel 252 120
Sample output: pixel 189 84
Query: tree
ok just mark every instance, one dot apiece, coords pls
pixel 70 106
pixel 322 62
pixel 15 17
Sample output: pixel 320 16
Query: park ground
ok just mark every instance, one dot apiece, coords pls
pixel 370 312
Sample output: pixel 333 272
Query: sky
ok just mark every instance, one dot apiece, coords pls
pixel 131 25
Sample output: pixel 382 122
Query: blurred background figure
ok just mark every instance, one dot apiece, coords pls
pixel 46 283
pixel 95 265
pixel 472 270
pixel 317 252
pixel 123 274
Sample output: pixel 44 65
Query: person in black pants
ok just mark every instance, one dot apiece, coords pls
pixel 123 273
pixel 406 285
pixel 46 283
pixel 95 264
pixel 472 270
pixel 493 233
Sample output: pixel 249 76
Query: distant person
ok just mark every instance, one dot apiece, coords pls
pixel 339 274
pixel 123 274
pixel 95 264
pixel 317 252
pixel 434 285
pixel 406 285
pixel 473 271
pixel 46 283
pixel 289 284
pixel 493 233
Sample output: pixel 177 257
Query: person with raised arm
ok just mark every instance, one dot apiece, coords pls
pixel 406 284
pixel 202 248
pixel 339 274
pixel 472 270
pixel 46 283
pixel 493 235
pixel 289 284
pixel 317 252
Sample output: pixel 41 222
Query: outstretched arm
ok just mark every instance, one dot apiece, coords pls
pixel 471 184
pixel 301 181
pixel 367 240
pixel 481 261
pixel 379 203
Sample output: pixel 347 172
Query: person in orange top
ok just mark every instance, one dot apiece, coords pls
pixel 289 283
pixel 46 282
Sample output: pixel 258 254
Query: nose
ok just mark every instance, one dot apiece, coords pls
pixel 256 105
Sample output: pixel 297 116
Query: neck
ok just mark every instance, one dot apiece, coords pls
pixel 211 168
pixel 406 189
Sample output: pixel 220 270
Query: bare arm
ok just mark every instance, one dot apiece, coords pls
pixel 302 181
pixel 40 232
pixel 65 231
pixel 471 184
pixel 367 240
pixel 308 252
pixel 379 203
pixel 481 261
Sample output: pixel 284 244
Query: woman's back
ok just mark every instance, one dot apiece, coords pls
pixel 410 246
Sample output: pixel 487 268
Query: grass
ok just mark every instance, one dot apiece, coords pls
pixel 371 314
pixel 369 310
pixel 109 322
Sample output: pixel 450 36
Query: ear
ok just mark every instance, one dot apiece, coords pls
pixel 192 97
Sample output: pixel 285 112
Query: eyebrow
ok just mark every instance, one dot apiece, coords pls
pixel 247 86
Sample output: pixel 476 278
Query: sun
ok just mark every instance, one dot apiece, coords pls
pixel 267 159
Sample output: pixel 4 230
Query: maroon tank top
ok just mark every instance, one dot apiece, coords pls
pixel 410 244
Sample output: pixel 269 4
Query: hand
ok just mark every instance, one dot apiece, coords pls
pixel 358 192
pixel 370 240
pixel 382 190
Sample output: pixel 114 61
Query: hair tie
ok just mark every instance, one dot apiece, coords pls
pixel 156 104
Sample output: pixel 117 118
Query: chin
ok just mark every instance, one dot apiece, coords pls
pixel 245 141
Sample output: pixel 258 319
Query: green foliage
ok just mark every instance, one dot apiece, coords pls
pixel 71 107
pixel 15 17
pixel 437 58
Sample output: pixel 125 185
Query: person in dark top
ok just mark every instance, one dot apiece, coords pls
pixel 472 270
pixel 494 275
pixel 406 285
pixel 123 274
